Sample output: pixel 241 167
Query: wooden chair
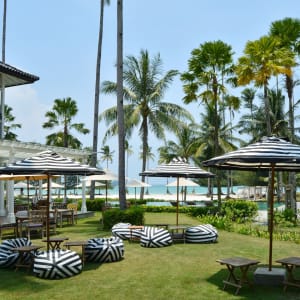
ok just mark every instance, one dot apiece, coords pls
pixel 10 227
pixel 71 216
pixel 36 222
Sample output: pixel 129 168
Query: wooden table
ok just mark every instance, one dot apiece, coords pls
pixel 177 232
pixel 134 227
pixel 290 263
pixel 55 242
pixel 24 251
pixel 237 262
pixel 20 219
pixel 70 244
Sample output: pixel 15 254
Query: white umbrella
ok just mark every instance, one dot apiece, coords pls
pixel 183 182
pixel 23 185
pixel 136 183
pixel 53 185
pixel 107 176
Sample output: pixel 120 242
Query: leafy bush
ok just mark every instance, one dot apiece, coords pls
pixel 220 222
pixel 133 215
pixel 239 210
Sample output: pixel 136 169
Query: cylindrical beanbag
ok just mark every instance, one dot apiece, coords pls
pixel 205 233
pixel 153 237
pixel 8 257
pixel 57 264
pixel 122 231
pixel 104 249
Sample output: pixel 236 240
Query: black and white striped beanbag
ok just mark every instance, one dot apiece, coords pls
pixel 8 257
pixel 57 264
pixel 122 231
pixel 205 233
pixel 153 237
pixel 104 249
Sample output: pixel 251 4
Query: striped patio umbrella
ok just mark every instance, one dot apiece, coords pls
pixel 49 163
pixel 178 167
pixel 270 153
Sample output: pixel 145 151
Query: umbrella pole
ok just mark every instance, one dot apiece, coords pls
pixel 48 211
pixel 177 201
pixel 271 217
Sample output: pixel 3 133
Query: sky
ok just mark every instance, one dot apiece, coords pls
pixel 56 40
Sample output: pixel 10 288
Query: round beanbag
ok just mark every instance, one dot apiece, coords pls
pixel 104 249
pixel 57 264
pixel 8 257
pixel 122 231
pixel 201 234
pixel 153 237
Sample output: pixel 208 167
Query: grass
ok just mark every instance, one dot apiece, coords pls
pixel 181 271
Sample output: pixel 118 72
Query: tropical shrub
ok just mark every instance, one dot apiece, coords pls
pixel 133 215
pixel 239 210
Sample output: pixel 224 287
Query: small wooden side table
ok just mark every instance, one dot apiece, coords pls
pixel 55 242
pixel 237 262
pixel 70 244
pixel 290 263
pixel 23 261
pixel 134 227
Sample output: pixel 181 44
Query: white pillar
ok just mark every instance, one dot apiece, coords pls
pixel 83 204
pixel 11 218
pixel 2 208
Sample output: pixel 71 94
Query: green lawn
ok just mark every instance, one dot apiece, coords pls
pixel 181 271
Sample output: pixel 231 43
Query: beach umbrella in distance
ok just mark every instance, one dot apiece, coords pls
pixel 49 163
pixel 178 167
pixel 106 176
pixel 269 153
pixel 134 183
pixel 21 177
pixel 183 182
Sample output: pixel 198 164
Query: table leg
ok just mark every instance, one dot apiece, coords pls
pixel 232 280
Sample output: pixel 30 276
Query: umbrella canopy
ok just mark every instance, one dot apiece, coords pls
pixel 178 168
pixel 89 183
pixel 106 176
pixel 49 163
pixel 134 183
pixel 271 153
pixel 53 185
pixel 22 185
pixel 183 182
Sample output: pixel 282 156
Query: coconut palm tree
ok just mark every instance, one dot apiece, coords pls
pixel 263 59
pixel 9 125
pixel 97 93
pixel 61 115
pixel 143 93
pixel 107 155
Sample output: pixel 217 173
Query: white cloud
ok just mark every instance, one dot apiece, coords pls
pixel 29 112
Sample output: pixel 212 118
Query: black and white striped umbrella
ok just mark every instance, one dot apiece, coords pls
pixel 270 153
pixel 49 163
pixel 178 167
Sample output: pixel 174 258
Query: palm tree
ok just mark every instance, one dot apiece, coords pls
pixel 9 125
pixel 129 152
pixel 2 104
pixel 107 155
pixel 210 67
pixel 144 91
pixel 97 93
pixel 288 32
pixel 263 59
pixel 120 107
pixel 61 115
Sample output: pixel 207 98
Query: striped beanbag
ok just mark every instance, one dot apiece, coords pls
pixel 153 237
pixel 57 264
pixel 205 233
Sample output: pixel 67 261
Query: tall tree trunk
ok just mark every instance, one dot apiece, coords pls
pixel 144 154
pixel 97 95
pixel 120 108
